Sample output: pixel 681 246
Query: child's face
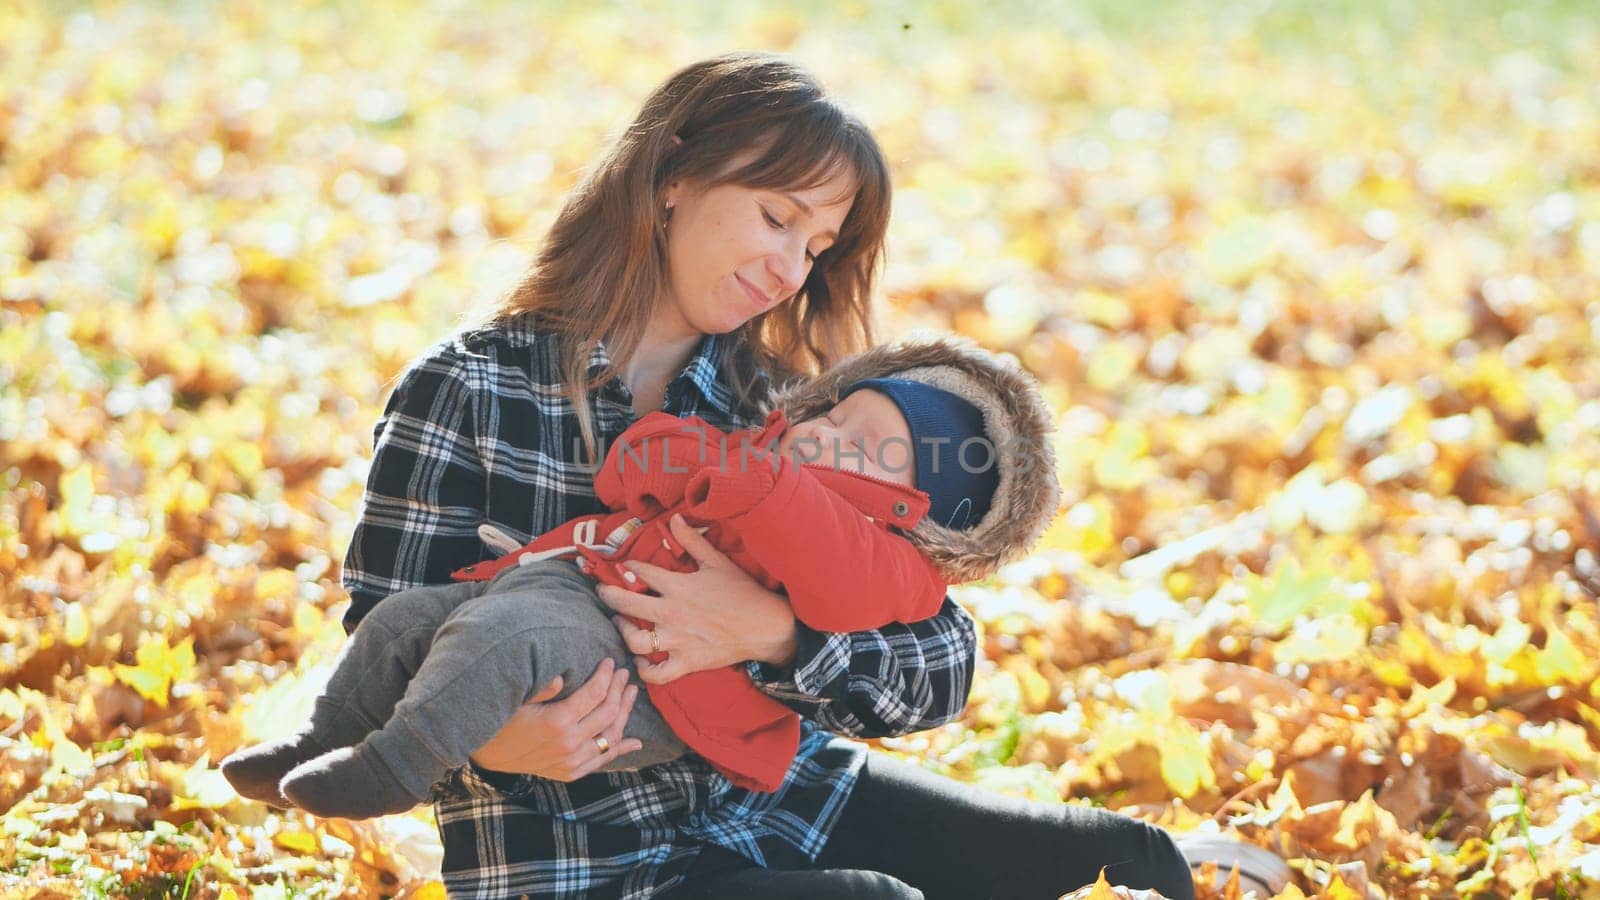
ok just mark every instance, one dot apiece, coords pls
pixel 864 432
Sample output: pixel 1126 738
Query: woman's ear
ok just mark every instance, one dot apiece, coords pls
pixel 669 197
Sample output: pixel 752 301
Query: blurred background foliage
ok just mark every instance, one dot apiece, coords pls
pixel 1312 286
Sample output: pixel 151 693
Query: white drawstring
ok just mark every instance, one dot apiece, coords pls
pixel 498 540
pixel 583 536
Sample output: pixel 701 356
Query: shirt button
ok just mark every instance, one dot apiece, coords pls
pixel 901 508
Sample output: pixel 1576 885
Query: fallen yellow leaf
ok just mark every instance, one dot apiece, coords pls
pixel 433 890
pixel 297 841
pixel 160 665
pixel 1102 888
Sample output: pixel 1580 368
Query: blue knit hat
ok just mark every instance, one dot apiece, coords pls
pixel 957 464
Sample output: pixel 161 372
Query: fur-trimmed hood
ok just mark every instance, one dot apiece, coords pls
pixel 1018 424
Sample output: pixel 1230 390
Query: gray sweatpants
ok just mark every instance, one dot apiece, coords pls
pixel 432 673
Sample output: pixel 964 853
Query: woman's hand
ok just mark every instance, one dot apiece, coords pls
pixel 714 617
pixel 557 739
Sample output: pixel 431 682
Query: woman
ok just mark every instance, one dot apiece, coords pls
pixel 725 243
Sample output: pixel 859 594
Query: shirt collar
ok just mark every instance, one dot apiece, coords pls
pixel 599 359
pixel 702 371
pixel 700 374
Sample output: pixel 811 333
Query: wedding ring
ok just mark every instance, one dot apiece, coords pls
pixel 601 742
pixel 655 641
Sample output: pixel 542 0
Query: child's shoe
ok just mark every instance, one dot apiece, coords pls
pixel 347 783
pixel 256 771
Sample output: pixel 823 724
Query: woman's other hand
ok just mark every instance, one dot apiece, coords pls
pixel 560 739
pixel 714 617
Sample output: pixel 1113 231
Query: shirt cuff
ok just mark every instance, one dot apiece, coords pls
pixel 821 659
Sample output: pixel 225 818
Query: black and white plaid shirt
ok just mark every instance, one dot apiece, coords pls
pixel 478 430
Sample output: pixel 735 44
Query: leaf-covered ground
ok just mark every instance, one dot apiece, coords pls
pixel 1318 302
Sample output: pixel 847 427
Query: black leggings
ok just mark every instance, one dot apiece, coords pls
pixel 907 834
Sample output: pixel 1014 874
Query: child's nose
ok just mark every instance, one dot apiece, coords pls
pixel 825 431
pixel 813 428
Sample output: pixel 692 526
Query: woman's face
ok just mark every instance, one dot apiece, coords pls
pixel 734 252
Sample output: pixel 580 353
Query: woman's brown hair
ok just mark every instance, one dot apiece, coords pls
pixel 750 119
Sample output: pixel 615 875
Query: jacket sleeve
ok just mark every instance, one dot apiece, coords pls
pixel 646 469
pixel 891 681
pixel 426 489
pixel 840 570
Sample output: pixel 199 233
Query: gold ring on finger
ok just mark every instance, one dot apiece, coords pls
pixel 601 742
pixel 655 641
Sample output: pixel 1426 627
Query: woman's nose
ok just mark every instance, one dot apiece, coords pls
pixel 789 267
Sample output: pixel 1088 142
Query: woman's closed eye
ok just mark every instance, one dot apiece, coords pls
pixel 780 226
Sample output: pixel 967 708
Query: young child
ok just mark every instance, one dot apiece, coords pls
pixel 907 468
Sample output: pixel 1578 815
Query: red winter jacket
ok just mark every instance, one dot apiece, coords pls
pixel 818 534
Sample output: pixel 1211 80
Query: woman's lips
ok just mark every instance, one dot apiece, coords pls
pixel 761 300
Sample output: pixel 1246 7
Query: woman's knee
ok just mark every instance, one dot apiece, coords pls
pixel 1151 860
pixel 778 884
pixel 850 884
pixel 878 886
